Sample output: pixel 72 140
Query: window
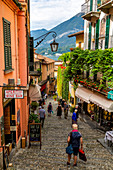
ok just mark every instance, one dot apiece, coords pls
pixel 91 5
pixel 107 31
pixel 89 40
pixel 79 45
pixel 7 44
pixel 97 34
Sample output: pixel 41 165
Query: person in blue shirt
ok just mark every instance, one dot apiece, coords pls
pixel 74 117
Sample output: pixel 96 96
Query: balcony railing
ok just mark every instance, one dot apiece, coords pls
pixel 86 7
pixel 104 1
pixel 111 42
pixel 93 85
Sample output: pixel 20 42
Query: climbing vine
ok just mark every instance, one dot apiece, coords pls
pixel 94 61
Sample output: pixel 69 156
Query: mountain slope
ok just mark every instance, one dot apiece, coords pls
pixel 73 25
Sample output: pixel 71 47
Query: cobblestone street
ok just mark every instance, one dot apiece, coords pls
pixel 54 141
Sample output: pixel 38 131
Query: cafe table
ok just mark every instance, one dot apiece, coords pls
pixel 109 138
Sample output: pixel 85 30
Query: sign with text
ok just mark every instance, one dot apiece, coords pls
pixel 35 133
pixel 16 94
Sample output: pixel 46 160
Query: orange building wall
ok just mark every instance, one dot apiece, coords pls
pixel 19 57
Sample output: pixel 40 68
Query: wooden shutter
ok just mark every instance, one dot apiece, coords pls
pixel 91 5
pixel 7 44
pixel 98 4
pixel 28 49
pixel 97 34
pixel 107 31
pixel 89 41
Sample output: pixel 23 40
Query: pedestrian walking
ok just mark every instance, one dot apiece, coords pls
pixel 43 101
pixel 76 108
pixel 42 116
pixel 63 101
pixel 74 139
pixel 65 110
pixel 40 102
pixel 49 109
pixel 59 110
pixel 74 117
pixel 46 96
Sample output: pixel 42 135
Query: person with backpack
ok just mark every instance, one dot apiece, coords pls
pixel 74 139
pixel 49 109
pixel 42 115
pixel 74 117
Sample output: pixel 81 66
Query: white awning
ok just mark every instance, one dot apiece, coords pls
pixel 34 92
pixel 83 94
pixel 101 101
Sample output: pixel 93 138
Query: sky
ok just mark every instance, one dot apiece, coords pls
pixel 49 13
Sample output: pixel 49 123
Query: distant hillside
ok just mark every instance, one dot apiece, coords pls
pixel 73 25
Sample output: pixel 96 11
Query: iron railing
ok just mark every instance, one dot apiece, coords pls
pixel 86 7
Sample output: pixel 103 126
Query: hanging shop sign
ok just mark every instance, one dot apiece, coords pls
pixel 16 94
pixel 34 133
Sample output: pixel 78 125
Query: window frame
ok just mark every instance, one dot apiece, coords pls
pixel 7 44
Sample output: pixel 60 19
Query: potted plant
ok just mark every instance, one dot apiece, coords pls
pixel 39 70
pixel 34 105
pixel 55 97
pixel 33 118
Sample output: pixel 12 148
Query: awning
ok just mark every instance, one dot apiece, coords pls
pixel 83 94
pixel 110 95
pixel 43 87
pixel 34 92
pixel 101 101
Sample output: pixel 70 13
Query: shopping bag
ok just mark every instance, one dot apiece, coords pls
pixel 82 155
pixel 69 149
pixel 52 112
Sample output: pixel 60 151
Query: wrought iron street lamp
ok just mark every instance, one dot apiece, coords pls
pixel 54 45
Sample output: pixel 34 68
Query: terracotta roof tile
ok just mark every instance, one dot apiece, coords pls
pixel 77 33
pixel 46 59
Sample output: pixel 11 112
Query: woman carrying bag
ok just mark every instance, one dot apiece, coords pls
pixel 74 141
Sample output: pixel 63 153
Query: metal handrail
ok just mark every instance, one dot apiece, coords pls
pixel 86 7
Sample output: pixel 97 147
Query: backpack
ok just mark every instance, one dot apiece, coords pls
pixel 75 139
pixel 74 117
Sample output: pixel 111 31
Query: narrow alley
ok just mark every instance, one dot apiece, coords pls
pixel 54 141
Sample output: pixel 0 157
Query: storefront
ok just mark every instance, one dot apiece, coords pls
pixel 96 104
pixel 9 121
pixel 11 130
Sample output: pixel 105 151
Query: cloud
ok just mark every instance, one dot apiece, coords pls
pixel 49 13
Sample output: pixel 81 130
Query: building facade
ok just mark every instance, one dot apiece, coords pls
pixel 14 31
pixel 46 80
pixel 98 32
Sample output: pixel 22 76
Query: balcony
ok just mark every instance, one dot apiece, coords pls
pixel 91 13
pixel 35 73
pixel 94 86
pixel 106 6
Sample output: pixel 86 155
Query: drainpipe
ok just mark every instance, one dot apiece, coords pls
pixel 16 54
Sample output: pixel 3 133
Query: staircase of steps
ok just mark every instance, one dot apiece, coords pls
pixel 52 156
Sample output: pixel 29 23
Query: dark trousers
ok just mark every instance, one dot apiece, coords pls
pixel 42 121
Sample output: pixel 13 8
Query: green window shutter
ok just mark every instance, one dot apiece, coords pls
pixel 97 34
pixel 107 31
pixel 91 5
pixel 89 41
pixel 7 44
pixel 28 6
pixel 98 4
pixel 28 49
